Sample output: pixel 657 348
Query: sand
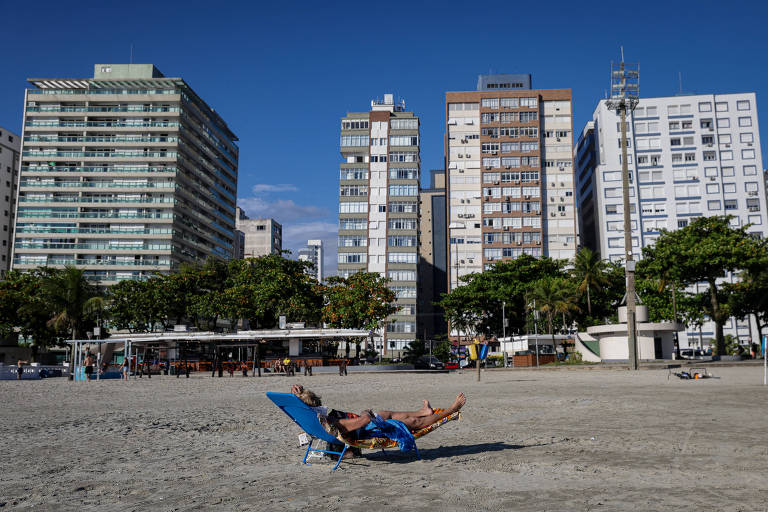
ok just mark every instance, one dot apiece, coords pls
pixel 528 440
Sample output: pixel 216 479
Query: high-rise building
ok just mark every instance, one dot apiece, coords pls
pixel 123 174
pixel 688 156
pixel 313 253
pixel 509 160
pixel 260 236
pixel 378 206
pixel 10 145
pixel 433 257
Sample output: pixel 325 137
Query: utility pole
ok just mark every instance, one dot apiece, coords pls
pixel 625 94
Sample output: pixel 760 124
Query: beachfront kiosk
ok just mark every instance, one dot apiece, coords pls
pixel 305 346
pixel 608 343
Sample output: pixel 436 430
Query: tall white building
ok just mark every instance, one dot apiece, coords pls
pixel 313 253
pixel 379 207
pixel 10 145
pixel 509 157
pixel 689 156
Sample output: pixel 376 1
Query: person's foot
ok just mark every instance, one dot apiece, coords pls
pixel 426 410
pixel 459 402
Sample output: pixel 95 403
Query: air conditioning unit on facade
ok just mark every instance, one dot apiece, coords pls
pixel 538 242
pixel 562 214
pixel 506 228
pixel 553 214
pixel 460 155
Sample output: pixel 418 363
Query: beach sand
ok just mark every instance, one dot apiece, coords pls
pixel 528 440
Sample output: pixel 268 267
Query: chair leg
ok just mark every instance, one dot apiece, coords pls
pixel 341 456
pixel 418 457
pixel 309 446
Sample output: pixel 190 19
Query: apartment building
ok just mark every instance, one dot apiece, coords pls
pixel 122 175
pixel 379 206
pixel 10 145
pixel 313 253
pixel 433 257
pixel 260 236
pixel 689 156
pixel 509 161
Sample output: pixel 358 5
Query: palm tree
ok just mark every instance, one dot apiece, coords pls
pixel 553 296
pixel 589 269
pixel 71 299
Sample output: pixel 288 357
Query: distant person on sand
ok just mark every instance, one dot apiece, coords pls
pixel 231 369
pixel 125 368
pixel 244 367
pixel 349 423
pixel 89 360
pixel 343 367
pixel 20 368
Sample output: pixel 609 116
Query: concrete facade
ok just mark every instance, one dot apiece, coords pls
pixel 10 146
pixel 260 236
pixel 689 156
pixel 509 157
pixel 379 207
pixel 122 175
pixel 433 257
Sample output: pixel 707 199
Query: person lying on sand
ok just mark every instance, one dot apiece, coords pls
pixel 353 425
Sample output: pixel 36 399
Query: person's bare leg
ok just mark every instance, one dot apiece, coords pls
pixel 417 423
pixel 402 415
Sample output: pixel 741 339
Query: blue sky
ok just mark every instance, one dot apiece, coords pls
pixel 282 75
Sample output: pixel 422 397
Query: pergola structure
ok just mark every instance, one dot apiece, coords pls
pixel 132 343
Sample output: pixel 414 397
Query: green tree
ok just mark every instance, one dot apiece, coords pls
pixel 442 350
pixel 414 350
pixel 476 306
pixel 589 272
pixel 361 301
pixel 24 310
pixel 134 305
pixel 749 296
pixel 705 250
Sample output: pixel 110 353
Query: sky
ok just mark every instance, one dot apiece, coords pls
pixel 282 74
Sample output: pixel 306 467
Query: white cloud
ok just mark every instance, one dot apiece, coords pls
pixel 282 210
pixel 267 188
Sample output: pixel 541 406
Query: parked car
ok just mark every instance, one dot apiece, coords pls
pixel 429 363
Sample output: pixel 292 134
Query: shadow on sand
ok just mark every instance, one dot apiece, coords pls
pixel 395 455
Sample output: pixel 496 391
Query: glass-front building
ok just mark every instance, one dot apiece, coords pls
pixel 122 175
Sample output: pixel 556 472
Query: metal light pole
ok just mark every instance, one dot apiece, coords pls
pixel 625 88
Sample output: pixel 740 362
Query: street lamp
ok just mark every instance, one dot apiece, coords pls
pixel 625 94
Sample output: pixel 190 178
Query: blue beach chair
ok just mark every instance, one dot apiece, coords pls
pixel 307 419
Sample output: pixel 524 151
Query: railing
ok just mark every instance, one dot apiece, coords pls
pixel 102 247
pixel 79 92
pixel 51 138
pixel 45 168
pixel 23 199
pixel 68 261
pixel 97 184
pixel 101 154
pixel 89 215
pixel 136 108
pixel 93 231
pixel 102 124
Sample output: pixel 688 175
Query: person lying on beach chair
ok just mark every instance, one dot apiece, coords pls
pixel 396 425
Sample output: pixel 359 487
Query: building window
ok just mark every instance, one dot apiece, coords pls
pixel 726 155
pixel 745 121
pixel 404 124
pixel 746 138
pixel 731 204
pixel 723 122
pixel 728 171
pixel 713 205
pixel 705 107
pixel 489 102
pixel 749 170
pixel 742 105
pixel 729 188
pixel 721 106
pixel 748 154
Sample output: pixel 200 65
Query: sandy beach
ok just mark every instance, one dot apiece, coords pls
pixel 528 440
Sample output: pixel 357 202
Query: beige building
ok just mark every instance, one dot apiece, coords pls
pixel 509 158
pixel 260 236
pixel 123 175
pixel 10 145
